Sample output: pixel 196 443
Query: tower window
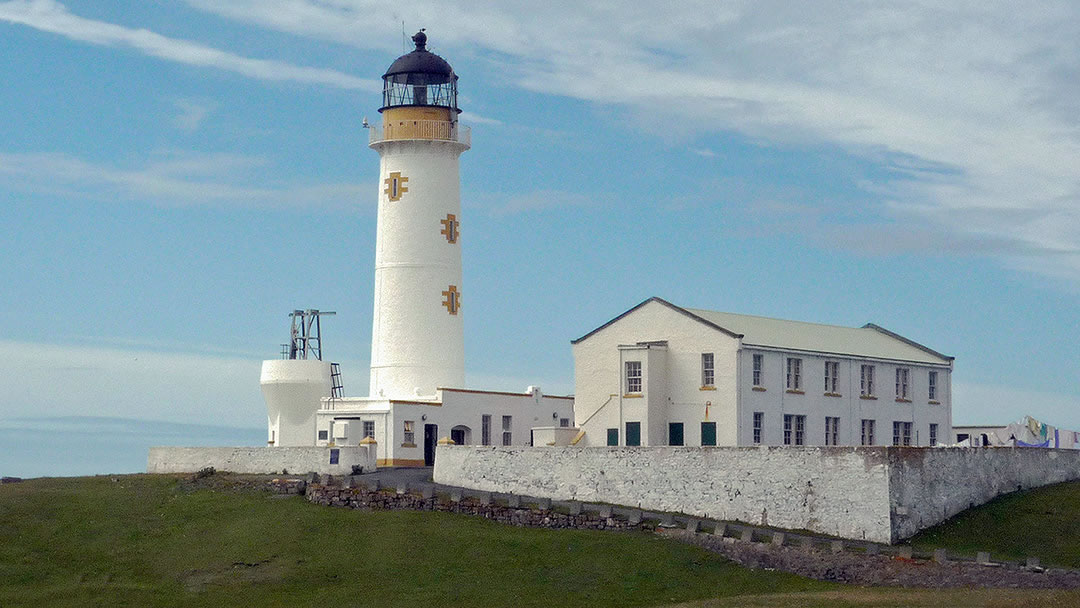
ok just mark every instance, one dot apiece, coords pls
pixel 395 186
pixel 450 228
pixel 452 299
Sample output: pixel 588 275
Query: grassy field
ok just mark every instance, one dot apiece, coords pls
pixel 1044 522
pixel 151 541
pixel 157 541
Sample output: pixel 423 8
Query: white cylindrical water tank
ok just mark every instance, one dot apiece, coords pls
pixel 293 390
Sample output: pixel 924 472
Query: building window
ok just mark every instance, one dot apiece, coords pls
pixel 485 429
pixel 794 429
pixel 675 433
pixel 932 387
pixel 613 436
pixel 324 435
pixel 507 423
pixel 759 422
pixel 794 374
pixel 708 375
pixel 335 455
pixel 564 422
pixel 369 429
pixel 866 381
pixel 410 437
pixel 867 432
pixel 633 377
pixel 933 434
pixel 832 430
pixel 708 433
pixel 633 433
pixel 901 433
pixel 758 378
pixel 902 376
pixel 832 377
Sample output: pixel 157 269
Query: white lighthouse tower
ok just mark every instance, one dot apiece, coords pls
pixel 417 342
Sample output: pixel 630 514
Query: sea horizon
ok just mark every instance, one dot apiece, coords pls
pixel 73 446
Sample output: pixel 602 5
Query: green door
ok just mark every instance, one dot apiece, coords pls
pixel 613 436
pixel 675 433
pixel 633 433
pixel 708 433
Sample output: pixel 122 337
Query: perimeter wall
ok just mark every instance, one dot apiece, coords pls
pixel 295 460
pixel 880 494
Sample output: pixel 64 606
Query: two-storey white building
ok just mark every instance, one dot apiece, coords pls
pixel 660 374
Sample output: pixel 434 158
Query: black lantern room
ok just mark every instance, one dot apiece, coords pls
pixel 420 78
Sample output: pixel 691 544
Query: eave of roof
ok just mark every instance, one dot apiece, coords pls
pixel 678 309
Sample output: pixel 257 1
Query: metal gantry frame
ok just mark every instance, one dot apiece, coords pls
pixel 306 333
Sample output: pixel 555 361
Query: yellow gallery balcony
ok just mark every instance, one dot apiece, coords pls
pixel 440 130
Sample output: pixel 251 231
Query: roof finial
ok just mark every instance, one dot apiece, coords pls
pixel 420 38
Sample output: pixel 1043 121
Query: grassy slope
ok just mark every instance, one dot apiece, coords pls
pixel 145 540
pixel 1044 522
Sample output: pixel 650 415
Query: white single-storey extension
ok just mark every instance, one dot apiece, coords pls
pixel 660 374
pixel 406 431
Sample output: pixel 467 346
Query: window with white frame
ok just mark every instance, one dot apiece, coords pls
pixel 933 434
pixel 832 377
pixel 794 429
pixel 409 435
pixel 901 433
pixel 759 424
pixel 485 429
pixel 633 377
pixel 867 432
pixel 903 374
pixel 794 374
pixel 369 428
pixel 507 424
pixel 866 381
pixel 564 422
pixel 832 430
pixel 758 376
pixel 932 386
pixel 707 370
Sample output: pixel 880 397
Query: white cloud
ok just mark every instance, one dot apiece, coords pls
pixel 51 380
pixel 54 17
pixel 176 180
pixel 971 106
pixel 975 404
pixel 191 114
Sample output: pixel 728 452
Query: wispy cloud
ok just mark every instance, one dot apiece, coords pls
pixel 176 180
pixel 54 17
pixel 985 95
pixel 190 114
pixel 537 200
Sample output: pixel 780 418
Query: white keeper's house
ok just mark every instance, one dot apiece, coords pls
pixel 661 374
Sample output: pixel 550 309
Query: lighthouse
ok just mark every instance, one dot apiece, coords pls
pixel 417 341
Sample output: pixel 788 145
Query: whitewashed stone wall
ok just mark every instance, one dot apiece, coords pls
pixel 839 491
pixel 881 494
pixel 930 486
pixel 260 459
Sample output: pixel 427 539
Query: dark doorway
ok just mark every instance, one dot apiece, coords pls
pixel 675 433
pixel 431 437
pixel 633 433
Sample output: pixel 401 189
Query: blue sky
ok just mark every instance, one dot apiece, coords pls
pixel 176 177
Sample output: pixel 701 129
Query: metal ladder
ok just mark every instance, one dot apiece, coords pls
pixel 337 391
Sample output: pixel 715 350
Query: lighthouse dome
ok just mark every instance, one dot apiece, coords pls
pixel 420 78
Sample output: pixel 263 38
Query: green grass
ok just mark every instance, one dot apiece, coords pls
pixel 892 598
pixel 1044 523
pixel 153 541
